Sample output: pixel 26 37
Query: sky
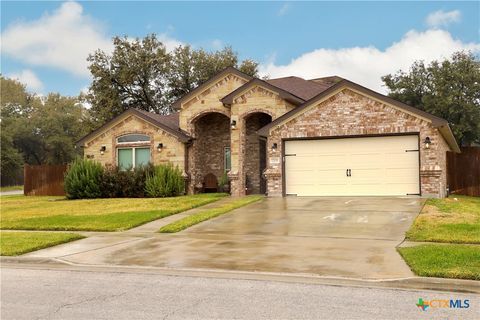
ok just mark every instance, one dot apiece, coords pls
pixel 45 44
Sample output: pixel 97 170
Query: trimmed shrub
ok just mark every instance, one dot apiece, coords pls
pixel 116 183
pixel 165 181
pixel 83 179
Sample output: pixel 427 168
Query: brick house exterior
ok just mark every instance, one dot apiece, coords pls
pixel 237 124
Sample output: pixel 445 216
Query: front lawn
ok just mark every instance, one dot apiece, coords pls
pixel 16 243
pixel 194 219
pixel 448 220
pixel 445 261
pixel 113 214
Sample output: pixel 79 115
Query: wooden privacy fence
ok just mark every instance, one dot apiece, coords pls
pixel 44 180
pixel 463 171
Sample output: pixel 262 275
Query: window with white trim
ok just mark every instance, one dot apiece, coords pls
pixel 129 158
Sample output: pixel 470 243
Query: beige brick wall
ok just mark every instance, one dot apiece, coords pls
pixel 173 151
pixel 350 113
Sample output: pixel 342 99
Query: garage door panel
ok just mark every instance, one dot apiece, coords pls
pixel 321 162
pixel 379 166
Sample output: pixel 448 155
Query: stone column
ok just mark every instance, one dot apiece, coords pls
pixel 237 137
pixel 273 173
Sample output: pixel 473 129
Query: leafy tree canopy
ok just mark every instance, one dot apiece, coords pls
pixel 38 130
pixel 449 89
pixel 141 73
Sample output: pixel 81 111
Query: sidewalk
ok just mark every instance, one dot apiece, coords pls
pixel 96 241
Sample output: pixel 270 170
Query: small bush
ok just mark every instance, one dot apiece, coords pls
pixel 82 179
pixel 165 181
pixel 116 183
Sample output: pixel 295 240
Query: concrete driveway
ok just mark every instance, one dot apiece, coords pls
pixel 345 237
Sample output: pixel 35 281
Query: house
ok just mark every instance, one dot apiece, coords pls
pixel 286 136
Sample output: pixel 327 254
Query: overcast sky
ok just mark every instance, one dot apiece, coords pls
pixel 45 44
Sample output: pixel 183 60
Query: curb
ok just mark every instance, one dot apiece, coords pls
pixel 411 283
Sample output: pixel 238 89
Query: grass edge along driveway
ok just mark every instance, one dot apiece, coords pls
pixel 194 219
pixel 455 223
pixel 17 243
pixel 443 260
pixel 59 214
pixel 448 221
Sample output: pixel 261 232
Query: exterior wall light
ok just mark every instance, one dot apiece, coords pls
pixel 103 149
pixel 427 142
pixel 274 146
pixel 233 124
pixel 160 147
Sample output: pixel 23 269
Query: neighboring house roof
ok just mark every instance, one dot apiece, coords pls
pixel 177 104
pixel 437 122
pixel 169 123
pixel 228 99
pixel 302 88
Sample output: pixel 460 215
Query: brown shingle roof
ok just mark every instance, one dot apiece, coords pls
pixel 302 88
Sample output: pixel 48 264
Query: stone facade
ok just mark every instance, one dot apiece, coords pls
pixel 212 134
pixel 253 100
pixel 255 157
pixel 209 123
pixel 173 150
pixel 348 113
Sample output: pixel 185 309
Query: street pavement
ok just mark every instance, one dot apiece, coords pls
pixel 67 294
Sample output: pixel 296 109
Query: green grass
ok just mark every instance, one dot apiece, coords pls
pixel 11 188
pixel 57 213
pixel 16 243
pixel 194 219
pixel 448 220
pixel 444 261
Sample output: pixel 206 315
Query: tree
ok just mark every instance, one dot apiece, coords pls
pixel 132 76
pixel 449 89
pixel 48 134
pixel 15 102
pixel 38 130
pixel 142 74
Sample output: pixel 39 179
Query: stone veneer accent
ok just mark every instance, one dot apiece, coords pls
pixel 350 113
pixel 207 121
pixel 173 150
pixel 212 133
pixel 256 153
pixel 253 100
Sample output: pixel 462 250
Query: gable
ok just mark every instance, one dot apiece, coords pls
pixel 216 91
pixel 205 88
pixel 125 125
pixel 348 105
pixel 260 87
pixel 255 92
pixel 142 119
pixel 346 110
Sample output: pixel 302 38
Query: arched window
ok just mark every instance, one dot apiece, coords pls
pixel 133 138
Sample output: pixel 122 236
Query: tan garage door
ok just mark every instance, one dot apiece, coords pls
pixel 370 166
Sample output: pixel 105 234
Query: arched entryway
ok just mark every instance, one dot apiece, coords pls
pixel 211 148
pixel 255 153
